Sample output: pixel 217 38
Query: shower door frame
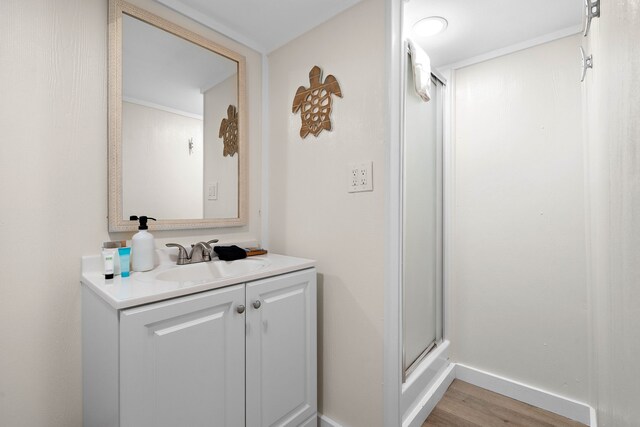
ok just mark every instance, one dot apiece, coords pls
pixel 402 400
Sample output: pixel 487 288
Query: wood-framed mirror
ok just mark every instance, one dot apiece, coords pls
pixel 178 147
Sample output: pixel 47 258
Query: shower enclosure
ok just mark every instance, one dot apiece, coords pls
pixel 422 207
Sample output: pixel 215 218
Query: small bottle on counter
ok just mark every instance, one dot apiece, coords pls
pixel 125 260
pixel 116 257
pixel 108 256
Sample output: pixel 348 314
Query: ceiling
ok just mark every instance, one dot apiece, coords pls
pixel 475 27
pixel 480 26
pixel 264 25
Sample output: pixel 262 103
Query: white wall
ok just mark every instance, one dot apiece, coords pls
pixel 157 165
pixel 53 188
pixel 518 287
pixel 312 215
pixel 613 166
pixel 217 167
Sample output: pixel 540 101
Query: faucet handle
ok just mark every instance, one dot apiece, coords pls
pixel 211 243
pixel 206 250
pixel 183 258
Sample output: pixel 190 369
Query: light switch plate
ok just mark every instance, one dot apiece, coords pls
pixel 360 176
pixel 213 191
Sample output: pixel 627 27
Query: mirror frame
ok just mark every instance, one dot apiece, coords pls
pixel 118 8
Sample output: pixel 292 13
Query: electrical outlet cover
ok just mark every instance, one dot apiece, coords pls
pixel 360 177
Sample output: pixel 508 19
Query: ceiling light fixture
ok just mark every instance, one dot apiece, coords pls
pixel 429 27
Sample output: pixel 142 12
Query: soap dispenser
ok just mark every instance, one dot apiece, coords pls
pixel 143 246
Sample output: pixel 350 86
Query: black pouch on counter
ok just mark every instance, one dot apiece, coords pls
pixel 230 253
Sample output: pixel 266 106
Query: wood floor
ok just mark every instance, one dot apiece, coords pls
pixel 465 405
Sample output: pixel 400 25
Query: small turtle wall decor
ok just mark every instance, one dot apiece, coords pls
pixel 315 101
pixel 229 132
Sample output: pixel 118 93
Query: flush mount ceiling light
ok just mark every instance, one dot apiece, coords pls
pixel 429 27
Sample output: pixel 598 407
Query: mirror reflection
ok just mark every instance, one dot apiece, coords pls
pixel 176 102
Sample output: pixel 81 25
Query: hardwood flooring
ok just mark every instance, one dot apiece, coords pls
pixel 465 405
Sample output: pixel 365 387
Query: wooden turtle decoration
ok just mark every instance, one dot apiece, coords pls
pixel 314 102
pixel 229 132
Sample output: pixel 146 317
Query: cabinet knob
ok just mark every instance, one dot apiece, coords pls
pixel 240 309
pixel 257 304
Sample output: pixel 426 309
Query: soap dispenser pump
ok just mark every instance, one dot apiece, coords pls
pixel 142 245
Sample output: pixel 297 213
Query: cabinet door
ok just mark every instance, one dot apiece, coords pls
pixel 182 361
pixel 281 350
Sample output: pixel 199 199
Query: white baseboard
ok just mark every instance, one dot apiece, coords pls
pixel 420 413
pixel 551 402
pixel 324 421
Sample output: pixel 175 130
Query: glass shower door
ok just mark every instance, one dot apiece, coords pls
pixel 422 223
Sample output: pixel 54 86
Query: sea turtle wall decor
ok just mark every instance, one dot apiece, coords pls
pixel 229 132
pixel 315 101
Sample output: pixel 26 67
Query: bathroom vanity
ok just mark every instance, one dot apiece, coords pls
pixel 210 344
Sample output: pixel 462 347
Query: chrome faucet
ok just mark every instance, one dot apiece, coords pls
pixel 200 252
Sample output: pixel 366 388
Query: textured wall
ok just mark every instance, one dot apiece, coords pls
pixel 53 175
pixel 613 190
pixel 312 215
pixel 519 293
pixel 179 177
pixel 53 187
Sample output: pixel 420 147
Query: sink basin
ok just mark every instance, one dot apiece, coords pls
pixel 210 271
pixel 239 267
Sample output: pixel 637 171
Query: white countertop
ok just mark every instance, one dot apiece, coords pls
pixel 142 288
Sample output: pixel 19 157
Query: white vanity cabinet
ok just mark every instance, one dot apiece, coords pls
pixel 182 361
pixel 281 351
pixel 240 355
